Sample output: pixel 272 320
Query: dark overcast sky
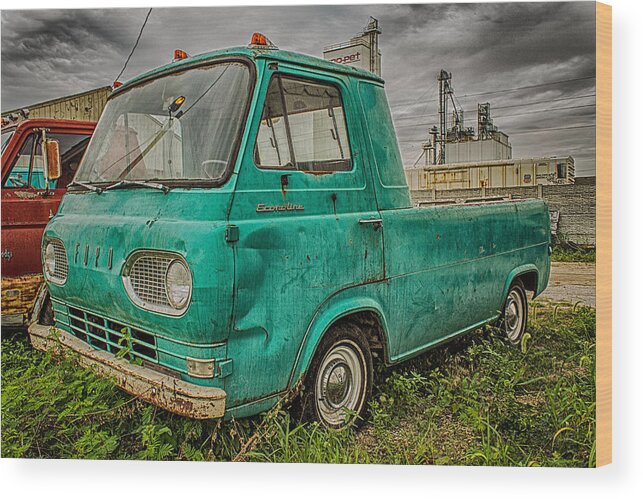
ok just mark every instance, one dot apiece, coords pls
pixel 487 47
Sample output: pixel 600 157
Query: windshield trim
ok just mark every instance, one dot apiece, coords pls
pixel 192 183
pixel 10 131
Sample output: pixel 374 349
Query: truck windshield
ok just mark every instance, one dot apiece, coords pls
pixel 6 136
pixel 182 126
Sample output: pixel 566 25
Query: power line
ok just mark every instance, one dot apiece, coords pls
pixel 505 107
pixel 527 87
pixel 514 89
pixel 544 111
pixel 542 101
pixel 550 110
pixel 538 130
pixel 138 38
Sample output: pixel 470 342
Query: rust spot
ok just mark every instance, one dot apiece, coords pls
pixel 372 280
pixel 19 293
pixel 316 174
pixel 284 184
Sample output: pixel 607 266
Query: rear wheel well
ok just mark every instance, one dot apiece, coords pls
pixel 529 281
pixel 370 324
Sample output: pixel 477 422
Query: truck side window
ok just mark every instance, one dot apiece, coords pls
pixel 27 166
pixel 30 173
pixel 271 148
pixel 310 135
pixel 72 148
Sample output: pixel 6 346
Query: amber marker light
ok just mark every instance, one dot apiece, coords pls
pixel 178 102
pixel 180 54
pixel 260 40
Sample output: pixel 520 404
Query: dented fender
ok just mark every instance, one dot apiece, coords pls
pixel 343 304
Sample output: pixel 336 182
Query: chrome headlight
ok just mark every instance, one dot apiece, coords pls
pixel 55 262
pixel 178 283
pixel 159 281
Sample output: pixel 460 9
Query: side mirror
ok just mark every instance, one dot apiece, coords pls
pixel 54 168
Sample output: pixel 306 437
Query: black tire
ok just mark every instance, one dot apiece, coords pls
pixel 339 382
pixel 514 313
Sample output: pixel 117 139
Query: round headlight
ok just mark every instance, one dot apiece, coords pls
pixel 178 282
pixel 50 261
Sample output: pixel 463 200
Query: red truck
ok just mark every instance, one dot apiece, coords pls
pixel 30 197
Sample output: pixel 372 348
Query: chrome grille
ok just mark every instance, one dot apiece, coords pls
pixel 60 258
pixel 147 278
pixel 108 335
pixel 120 339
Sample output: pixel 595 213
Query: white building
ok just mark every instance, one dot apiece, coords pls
pixel 495 173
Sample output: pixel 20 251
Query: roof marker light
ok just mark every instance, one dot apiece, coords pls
pixel 117 84
pixel 179 55
pixel 260 40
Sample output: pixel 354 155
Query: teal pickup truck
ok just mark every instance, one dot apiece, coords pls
pixel 240 230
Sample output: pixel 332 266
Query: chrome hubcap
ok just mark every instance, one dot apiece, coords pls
pixel 514 312
pixel 340 383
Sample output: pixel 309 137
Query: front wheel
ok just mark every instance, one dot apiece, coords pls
pixel 339 383
pixel 514 315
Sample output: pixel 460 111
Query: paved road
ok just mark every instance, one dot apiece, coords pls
pixel 572 282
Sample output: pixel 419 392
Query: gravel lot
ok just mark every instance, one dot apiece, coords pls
pixel 572 282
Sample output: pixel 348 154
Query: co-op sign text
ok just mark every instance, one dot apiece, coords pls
pixel 347 59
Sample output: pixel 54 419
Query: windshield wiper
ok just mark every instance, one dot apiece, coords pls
pixel 142 183
pixel 89 187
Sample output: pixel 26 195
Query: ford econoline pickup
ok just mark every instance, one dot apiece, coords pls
pixel 29 198
pixel 240 229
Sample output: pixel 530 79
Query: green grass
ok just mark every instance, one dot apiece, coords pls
pixel 563 254
pixel 477 401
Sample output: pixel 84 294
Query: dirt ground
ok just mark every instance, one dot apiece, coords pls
pixel 572 282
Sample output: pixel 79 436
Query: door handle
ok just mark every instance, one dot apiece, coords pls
pixel 376 222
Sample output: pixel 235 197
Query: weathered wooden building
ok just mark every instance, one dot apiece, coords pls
pixel 85 106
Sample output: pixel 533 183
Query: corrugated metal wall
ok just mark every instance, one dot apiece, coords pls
pixel 86 106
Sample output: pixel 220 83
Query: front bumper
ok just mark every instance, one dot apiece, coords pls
pixel 172 394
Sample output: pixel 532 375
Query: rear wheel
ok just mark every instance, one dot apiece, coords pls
pixel 514 315
pixel 339 383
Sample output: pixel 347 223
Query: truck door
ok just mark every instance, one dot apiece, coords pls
pixel 27 203
pixel 308 223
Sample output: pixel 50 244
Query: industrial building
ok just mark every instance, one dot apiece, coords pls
pixel 459 157
pixel 495 173
pixel 361 51
pixel 84 106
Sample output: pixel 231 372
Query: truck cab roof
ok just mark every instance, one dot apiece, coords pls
pixel 254 53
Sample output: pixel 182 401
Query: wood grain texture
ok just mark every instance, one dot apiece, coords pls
pixel 603 234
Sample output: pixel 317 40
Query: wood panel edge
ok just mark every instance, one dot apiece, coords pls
pixel 603 234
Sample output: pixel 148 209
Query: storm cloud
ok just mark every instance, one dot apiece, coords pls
pixel 492 50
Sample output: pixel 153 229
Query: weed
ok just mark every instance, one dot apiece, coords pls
pixel 565 254
pixel 477 401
